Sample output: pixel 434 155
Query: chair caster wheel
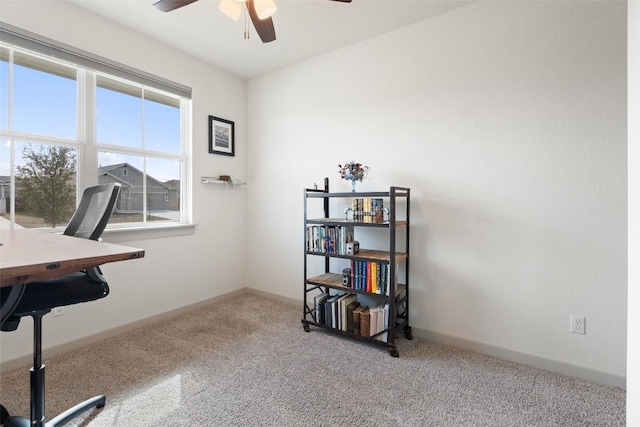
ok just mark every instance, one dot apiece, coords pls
pixel 305 326
pixel 4 414
pixel 394 352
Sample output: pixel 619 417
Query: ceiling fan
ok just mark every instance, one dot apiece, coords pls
pixel 260 12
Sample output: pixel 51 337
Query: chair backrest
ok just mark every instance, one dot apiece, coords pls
pixel 94 211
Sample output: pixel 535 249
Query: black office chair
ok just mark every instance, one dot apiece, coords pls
pixel 39 298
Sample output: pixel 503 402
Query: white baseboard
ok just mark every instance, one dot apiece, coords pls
pixel 478 347
pixel 540 362
pixel 552 365
pixel 27 360
pixel 291 301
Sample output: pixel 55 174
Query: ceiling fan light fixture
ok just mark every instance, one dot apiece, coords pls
pixel 231 8
pixel 265 8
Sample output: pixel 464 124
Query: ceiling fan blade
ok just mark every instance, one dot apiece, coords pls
pixel 169 5
pixel 264 27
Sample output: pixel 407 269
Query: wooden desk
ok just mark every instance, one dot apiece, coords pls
pixel 28 256
pixel 31 255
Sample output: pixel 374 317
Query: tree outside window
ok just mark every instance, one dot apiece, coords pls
pixel 46 182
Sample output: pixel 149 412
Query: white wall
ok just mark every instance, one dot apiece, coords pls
pixel 176 271
pixel 508 122
pixel 633 325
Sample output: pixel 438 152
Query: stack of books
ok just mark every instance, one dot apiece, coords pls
pixel 368 210
pixel 345 313
pixel 371 276
pixel 330 239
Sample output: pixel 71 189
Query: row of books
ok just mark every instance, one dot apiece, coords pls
pixel 330 239
pixel 368 210
pixel 345 313
pixel 371 276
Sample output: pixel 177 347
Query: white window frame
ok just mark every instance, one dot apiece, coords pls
pixel 88 148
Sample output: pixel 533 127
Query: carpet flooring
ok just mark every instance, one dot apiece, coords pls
pixel 246 361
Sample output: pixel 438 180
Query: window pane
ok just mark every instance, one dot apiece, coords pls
pixel 45 184
pixel 163 189
pixel 39 100
pixel 127 171
pixel 119 113
pixel 44 97
pixel 161 123
pixel 5 182
pixel 4 88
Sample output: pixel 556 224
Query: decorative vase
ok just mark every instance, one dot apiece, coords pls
pixel 353 172
pixel 353 179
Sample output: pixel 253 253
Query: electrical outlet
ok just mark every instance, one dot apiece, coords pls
pixel 58 311
pixel 577 325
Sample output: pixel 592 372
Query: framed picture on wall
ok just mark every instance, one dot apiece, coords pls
pixel 221 136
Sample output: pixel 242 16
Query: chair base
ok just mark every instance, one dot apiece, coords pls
pixel 63 418
pixel 37 382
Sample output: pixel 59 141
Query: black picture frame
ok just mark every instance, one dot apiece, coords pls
pixel 222 138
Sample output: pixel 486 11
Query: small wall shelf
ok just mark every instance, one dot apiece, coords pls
pixel 215 180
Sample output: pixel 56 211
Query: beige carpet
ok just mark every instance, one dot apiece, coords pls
pixel 247 362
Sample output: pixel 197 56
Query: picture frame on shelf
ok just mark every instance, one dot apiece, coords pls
pixel 221 136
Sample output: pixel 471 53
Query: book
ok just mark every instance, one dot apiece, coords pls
pixel 364 322
pixel 378 211
pixel 385 336
pixel 380 327
pixel 353 274
pixel 328 312
pixel 350 309
pixel 319 301
pixel 383 277
pixel 344 304
pixel 338 314
pixel 334 312
pixel 356 319
pixel 374 277
pixel 373 320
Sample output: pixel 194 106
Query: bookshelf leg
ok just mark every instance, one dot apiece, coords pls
pixel 407 333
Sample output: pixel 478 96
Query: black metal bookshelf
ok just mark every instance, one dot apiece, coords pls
pixel 331 283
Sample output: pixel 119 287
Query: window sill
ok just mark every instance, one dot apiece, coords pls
pixel 131 233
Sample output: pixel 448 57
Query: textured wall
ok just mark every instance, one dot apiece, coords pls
pixel 508 122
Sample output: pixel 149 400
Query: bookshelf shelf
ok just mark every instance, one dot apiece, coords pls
pixel 365 254
pixel 358 294
pixel 338 221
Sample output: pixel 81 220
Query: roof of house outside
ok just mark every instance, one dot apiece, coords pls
pixel 106 170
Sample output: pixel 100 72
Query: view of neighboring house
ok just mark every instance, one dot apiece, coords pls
pixel 160 196
pixel 5 188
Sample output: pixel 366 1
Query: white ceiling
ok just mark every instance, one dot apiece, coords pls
pixel 304 28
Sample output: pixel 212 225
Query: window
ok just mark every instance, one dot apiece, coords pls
pixel 64 127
